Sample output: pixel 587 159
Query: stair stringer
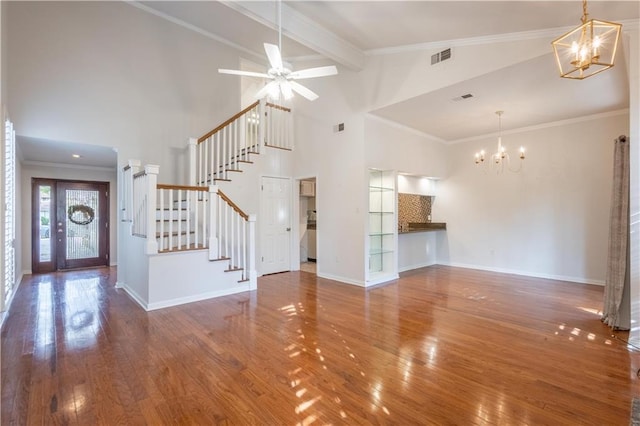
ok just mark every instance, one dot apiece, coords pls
pixel 176 278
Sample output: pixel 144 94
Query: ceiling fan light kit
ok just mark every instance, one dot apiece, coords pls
pixel 588 49
pixel 282 78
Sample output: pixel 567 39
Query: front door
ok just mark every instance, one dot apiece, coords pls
pixel 275 225
pixel 69 224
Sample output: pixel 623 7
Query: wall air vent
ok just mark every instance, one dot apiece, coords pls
pixel 441 56
pixel 462 97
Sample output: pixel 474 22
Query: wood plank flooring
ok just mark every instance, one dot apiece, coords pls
pixel 439 346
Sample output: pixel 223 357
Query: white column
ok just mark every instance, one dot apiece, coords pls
pixel 213 223
pixel 253 276
pixel 193 144
pixel 151 170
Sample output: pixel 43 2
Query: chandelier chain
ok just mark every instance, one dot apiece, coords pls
pixel 585 15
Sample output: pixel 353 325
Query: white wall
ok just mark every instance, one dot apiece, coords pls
pixel 337 161
pixel 40 171
pixel 109 74
pixel 549 220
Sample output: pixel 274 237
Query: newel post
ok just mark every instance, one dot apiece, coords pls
pixel 213 222
pixel 253 275
pixel 193 144
pixel 151 170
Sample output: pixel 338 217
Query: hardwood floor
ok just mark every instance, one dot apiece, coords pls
pixel 439 346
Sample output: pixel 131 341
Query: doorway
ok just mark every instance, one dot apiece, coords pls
pixel 275 225
pixel 69 224
pixel 308 225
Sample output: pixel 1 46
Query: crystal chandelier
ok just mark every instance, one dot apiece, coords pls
pixel 587 49
pixel 500 157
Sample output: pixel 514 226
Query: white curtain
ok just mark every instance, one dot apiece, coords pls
pixel 615 312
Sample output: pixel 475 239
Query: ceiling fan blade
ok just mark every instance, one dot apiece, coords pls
pixel 244 73
pixel 273 53
pixel 266 89
pixel 299 88
pixel 314 72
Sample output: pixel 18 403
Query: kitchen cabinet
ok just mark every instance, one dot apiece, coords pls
pixel 307 188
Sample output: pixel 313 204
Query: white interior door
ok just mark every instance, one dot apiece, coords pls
pixel 275 225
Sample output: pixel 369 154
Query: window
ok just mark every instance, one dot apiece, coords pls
pixel 8 161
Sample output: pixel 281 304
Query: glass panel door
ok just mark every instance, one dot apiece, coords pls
pixel 69 225
pixel 81 225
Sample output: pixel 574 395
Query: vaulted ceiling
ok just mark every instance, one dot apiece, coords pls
pixel 347 32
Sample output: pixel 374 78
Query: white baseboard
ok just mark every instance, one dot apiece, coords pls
pixel 342 279
pixel 197 297
pixel 133 294
pixel 416 266
pixel 579 280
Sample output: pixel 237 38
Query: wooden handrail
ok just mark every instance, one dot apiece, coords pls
pixel 269 104
pixel 183 187
pixel 233 205
pixel 229 121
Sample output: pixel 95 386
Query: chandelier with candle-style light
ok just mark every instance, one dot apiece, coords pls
pixel 500 158
pixel 587 49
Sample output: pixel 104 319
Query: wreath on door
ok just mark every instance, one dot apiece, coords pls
pixel 81 214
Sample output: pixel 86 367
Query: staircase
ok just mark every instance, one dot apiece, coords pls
pixel 194 234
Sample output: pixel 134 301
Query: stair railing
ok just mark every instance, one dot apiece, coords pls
pixel 215 154
pixel 175 217
pixel 235 237
pixel 182 217
pixel 223 149
pixel 278 128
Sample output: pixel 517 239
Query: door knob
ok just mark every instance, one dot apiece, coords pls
pixel 288 229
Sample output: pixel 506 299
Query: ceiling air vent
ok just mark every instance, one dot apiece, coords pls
pixel 441 56
pixel 462 97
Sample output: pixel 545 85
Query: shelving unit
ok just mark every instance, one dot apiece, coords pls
pixel 382 233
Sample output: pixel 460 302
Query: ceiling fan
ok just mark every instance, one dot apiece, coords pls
pixel 282 78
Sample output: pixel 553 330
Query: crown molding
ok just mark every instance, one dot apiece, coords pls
pixel 194 28
pixel 543 126
pixel 69 166
pixel 550 33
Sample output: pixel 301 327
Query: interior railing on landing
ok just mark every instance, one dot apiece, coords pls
pixel 221 151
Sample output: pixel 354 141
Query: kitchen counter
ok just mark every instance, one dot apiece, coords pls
pixel 424 227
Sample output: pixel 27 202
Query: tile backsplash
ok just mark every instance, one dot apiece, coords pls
pixel 413 208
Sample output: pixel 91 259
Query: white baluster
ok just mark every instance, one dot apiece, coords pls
pixel 214 252
pixel 193 143
pixel 196 235
pixel 187 200
pixel 253 276
pixel 162 219
pixel 171 219
pixel 243 240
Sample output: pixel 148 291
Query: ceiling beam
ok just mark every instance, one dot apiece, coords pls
pixel 304 30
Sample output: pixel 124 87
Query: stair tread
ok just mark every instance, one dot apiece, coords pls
pixel 191 247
